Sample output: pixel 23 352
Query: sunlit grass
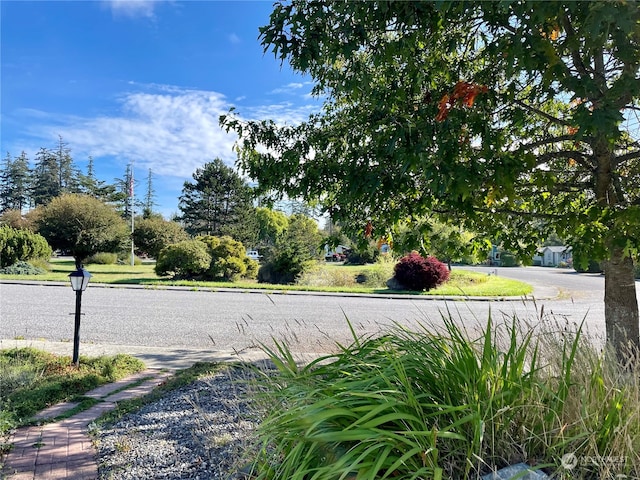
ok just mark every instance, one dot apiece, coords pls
pixel 451 403
pixel 327 277
pixel 31 380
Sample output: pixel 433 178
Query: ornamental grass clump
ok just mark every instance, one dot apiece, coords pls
pixel 415 272
pixel 451 404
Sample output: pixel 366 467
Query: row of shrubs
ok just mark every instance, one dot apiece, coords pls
pixel 217 258
pixel 222 258
pixel 206 258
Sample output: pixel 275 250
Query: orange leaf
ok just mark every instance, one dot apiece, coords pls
pixel 443 108
pixel 368 229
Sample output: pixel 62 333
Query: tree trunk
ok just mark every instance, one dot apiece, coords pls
pixel 621 306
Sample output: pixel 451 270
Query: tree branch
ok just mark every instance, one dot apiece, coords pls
pixel 546 141
pixel 579 157
pixel 575 54
pixel 627 156
pixel 537 111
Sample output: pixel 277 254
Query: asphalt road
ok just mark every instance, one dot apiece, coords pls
pixel 175 320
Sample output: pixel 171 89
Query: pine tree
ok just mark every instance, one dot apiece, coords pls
pixel 5 184
pixel 150 195
pixel 68 174
pixel 90 185
pixel 20 180
pixel 46 177
pixel 124 191
pixel 218 202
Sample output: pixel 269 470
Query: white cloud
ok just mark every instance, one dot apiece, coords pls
pixel 171 130
pixel 290 88
pixel 132 8
pixel 234 39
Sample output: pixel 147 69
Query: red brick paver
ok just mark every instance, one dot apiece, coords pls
pixel 63 450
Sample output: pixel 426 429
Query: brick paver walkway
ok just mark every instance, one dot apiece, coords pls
pixel 63 450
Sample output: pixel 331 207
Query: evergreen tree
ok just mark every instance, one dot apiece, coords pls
pixel 218 202
pixel 148 204
pixel 14 183
pixel 90 185
pixel 68 174
pixel 5 183
pixel 45 178
pixel 124 190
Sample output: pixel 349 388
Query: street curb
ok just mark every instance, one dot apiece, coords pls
pixel 552 293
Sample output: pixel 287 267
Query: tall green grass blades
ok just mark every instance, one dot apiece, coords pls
pixel 444 404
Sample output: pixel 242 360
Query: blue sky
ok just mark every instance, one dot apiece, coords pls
pixel 139 81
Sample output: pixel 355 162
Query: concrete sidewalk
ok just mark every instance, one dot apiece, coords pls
pixel 63 449
pixel 153 357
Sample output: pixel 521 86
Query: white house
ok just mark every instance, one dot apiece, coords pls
pixel 553 256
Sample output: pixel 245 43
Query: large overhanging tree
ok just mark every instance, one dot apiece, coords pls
pixel 514 118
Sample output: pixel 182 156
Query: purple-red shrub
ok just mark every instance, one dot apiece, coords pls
pixel 416 272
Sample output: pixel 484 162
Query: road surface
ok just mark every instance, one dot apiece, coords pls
pixel 174 319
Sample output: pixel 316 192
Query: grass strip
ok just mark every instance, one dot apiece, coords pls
pixel 32 380
pixel 462 283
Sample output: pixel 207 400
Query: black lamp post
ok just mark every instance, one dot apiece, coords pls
pixel 79 281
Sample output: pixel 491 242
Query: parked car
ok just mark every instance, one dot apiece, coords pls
pixel 254 255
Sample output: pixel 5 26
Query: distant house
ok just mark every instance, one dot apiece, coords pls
pixel 553 256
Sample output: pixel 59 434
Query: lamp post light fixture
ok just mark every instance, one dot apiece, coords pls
pixel 79 281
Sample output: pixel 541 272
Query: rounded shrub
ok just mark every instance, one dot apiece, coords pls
pixel 187 259
pixel 17 244
pixel 22 268
pixel 415 272
pixel 508 259
pixel 229 259
pixel 103 258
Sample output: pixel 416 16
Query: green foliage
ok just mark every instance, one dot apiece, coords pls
pixel 154 233
pixel 294 253
pixel 22 268
pixel 582 263
pixel 512 119
pixel 186 259
pixel 125 259
pixel 31 380
pixel 228 259
pixel 439 403
pixel 284 267
pixel 217 202
pixel 508 259
pixel 18 244
pixel 14 183
pixel 103 258
pixel 441 239
pixel 271 226
pixel 363 254
pixel 15 219
pixel 418 273
pixel 82 225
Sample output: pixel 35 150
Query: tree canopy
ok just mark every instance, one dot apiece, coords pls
pixel 82 225
pixel 217 202
pixel 516 118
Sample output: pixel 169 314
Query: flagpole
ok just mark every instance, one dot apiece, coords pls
pixel 132 221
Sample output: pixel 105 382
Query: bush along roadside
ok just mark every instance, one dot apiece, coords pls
pixel 416 404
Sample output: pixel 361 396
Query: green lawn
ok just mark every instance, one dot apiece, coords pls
pixel 327 277
pixel 31 380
